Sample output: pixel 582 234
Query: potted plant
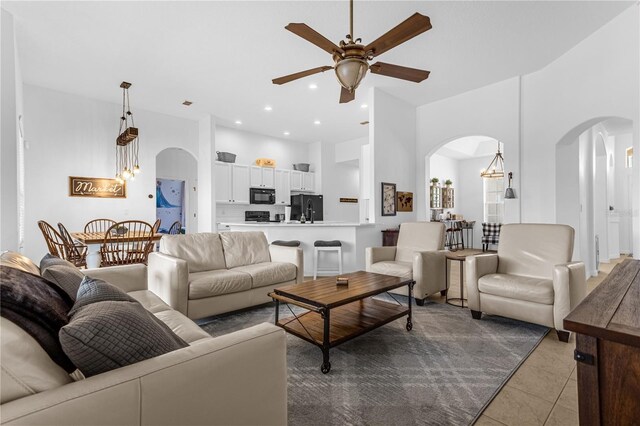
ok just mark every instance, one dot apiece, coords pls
pixel 434 181
pixel 448 183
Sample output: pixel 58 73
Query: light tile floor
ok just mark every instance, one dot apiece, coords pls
pixel 543 391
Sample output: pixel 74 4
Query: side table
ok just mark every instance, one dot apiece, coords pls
pixel 458 256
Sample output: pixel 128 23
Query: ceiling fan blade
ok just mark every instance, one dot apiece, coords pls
pixel 346 96
pixel 291 77
pixel 396 71
pixel 408 29
pixel 312 36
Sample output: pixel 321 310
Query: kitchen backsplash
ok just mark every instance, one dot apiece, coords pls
pixel 235 212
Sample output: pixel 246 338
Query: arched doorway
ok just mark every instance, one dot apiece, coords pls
pixel 176 185
pixel 594 187
pixel 475 199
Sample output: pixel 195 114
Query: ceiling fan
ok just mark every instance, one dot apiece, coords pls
pixel 352 58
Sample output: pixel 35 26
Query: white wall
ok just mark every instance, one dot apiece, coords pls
pixel 69 135
pixel 444 168
pixel 491 111
pixel 470 194
pixel 11 105
pixel 250 146
pixel 624 190
pixel 393 143
pixel 206 185
pixel 340 179
pixel 349 150
pixel 596 79
pixel 567 193
pixel 178 164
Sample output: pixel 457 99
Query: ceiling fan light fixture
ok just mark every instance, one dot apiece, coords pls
pixel 350 72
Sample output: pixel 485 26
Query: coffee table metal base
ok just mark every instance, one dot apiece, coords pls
pixel 330 327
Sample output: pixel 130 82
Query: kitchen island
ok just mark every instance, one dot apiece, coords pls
pixel 355 238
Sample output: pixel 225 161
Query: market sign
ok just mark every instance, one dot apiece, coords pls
pixel 96 187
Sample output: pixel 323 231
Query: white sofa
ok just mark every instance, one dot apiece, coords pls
pixel 531 278
pixel 419 253
pixel 206 274
pixel 238 378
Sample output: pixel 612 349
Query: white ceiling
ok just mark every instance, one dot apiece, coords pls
pixel 469 147
pixel 223 55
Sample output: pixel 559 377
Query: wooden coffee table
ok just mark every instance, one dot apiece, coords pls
pixel 337 314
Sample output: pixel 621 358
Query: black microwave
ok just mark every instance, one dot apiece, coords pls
pixel 262 196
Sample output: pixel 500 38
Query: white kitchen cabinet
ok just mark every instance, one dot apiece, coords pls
pixel 262 177
pixel 296 180
pixel 232 183
pixel 223 182
pixel 308 182
pixel 283 187
pixel 302 181
pixel 240 184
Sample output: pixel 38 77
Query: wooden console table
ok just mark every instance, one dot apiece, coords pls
pixel 607 327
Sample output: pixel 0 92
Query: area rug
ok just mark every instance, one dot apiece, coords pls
pixel 443 372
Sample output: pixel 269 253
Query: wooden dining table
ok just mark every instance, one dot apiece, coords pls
pixel 93 241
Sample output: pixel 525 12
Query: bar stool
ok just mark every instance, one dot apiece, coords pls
pixel 292 243
pixel 321 245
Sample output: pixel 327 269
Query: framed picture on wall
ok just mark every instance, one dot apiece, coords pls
pixel 405 201
pixel 388 199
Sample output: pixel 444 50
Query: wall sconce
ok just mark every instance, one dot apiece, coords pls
pixel 509 193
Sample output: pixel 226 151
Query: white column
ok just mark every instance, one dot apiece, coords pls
pixel 206 187
pixel 9 239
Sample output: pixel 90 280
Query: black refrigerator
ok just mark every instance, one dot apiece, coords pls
pixel 300 203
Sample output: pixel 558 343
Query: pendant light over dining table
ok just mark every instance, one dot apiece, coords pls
pixel 496 167
pixel 127 142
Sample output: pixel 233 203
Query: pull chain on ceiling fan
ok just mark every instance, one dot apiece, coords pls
pixel 351 58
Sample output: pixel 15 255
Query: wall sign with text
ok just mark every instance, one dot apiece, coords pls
pixel 96 187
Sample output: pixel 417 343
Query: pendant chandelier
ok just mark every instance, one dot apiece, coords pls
pixel 127 142
pixel 496 167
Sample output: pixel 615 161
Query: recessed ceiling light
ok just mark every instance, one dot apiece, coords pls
pixel 268 108
pixel 317 122
pixel 313 86
pixel 286 133
pixel 187 103
pixel 238 122
pixel 363 106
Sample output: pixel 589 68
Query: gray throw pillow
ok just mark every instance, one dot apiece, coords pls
pixel 106 335
pixel 50 260
pixel 93 290
pixel 66 277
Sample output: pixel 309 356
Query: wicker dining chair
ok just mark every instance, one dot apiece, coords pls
pixel 176 228
pixel 98 225
pixel 76 251
pixel 119 248
pixel 55 242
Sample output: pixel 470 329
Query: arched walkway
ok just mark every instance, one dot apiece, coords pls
pixel 592 192
pixel 460 161
pixel 176 183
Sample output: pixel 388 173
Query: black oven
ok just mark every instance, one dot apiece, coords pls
pixel 262 196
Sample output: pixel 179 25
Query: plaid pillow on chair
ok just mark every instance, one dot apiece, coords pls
pixel 490 234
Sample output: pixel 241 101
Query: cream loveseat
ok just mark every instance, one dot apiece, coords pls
pixel 531 278
pixel 419 254
pixel 213 381
pixel 206 274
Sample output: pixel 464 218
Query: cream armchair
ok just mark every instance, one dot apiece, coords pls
pixel 531 278
pixel 419 255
